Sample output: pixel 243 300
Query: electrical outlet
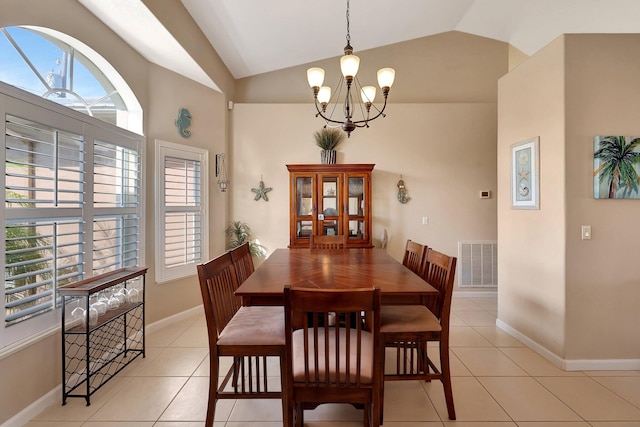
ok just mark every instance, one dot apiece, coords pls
pixel 425 220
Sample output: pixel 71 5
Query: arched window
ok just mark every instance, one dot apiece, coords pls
pixel 62 69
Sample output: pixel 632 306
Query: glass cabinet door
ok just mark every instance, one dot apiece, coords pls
pixel 304 207
pixel 357 206
pixel 330 204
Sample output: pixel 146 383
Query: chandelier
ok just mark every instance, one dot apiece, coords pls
pixel 349 65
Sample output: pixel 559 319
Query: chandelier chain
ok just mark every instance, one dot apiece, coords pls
pixel 348 31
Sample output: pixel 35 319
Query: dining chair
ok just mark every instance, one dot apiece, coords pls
pixel 324 241
pixel 408 329
pixel 333 364
pixel 413 258
pixel 248 335
pixel 242 262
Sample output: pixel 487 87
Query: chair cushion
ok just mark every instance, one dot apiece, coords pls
pixel 366 359
pixel 255 325
pixel 407 318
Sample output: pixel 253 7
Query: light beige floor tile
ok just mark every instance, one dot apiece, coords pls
pixel 175 362
pixel 76 409
pixel 407 401
pixel 591 400
pixel 257 410
pixel 117 424
pixel 143 399
pixel 134 368
pixel 190 404
pixel 486 303
pixel 463 303
pixel 455 320
pixel 612 373
pixel 163 337
pixel 248 424
pixel 457 367
pixel 626 387
pixel 478 424
pixel 331 423
pixel 524 399
pixel 477 318
pixel 466 337
pixel 333 413
pixel 53 424
pixel 194 336
pixel 186 424
pixel 497 336
pixel 471 400
pixel 553 424
pixel 487 361
pixel 416 424
pixel 536 365
pixel 616 424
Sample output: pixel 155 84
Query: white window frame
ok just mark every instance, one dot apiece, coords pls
pixel 17 102
pixel 165 149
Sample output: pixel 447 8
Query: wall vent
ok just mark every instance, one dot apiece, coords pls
pixel 477 263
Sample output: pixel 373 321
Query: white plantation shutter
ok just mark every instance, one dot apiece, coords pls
pixel 72 208
pixel 181 226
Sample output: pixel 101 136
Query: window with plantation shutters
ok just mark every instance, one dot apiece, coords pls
pixel 181 220
pixel 72 208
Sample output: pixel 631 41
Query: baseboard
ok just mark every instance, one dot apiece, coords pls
pixel 31 411
pixel 571 364
pixel 475 294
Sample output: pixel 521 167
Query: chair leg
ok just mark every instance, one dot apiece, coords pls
pixel 287 412
pixel 214 367
pixel 446 379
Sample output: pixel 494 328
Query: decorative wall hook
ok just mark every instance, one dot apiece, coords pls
pixel 183 122
pixel 261 191
pixel 403 197
pixel 221 172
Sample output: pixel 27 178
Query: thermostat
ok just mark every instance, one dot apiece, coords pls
pixel 485 194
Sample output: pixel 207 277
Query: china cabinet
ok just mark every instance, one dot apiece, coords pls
pixel 330 199
pixel 102 329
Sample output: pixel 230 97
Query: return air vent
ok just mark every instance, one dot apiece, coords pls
pixel 478 263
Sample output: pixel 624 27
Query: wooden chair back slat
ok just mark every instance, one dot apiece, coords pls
pixel 439 271
pixel 414 255
pixel 218 282
pixel 328 242
pixel 242 262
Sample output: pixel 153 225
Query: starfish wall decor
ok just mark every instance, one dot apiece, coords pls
pixel 261 191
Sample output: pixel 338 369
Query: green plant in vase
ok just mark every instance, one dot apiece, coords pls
pixel 328 139
pixel 238 233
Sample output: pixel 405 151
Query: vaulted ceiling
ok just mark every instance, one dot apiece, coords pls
pixel 258 36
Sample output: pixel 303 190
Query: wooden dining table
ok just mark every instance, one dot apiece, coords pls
pixel 333 269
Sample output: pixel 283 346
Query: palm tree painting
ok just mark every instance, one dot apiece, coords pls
pixel 616 167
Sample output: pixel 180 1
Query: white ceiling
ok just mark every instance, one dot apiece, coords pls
pixel 258 36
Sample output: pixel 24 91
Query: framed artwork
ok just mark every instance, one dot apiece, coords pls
pixel 525 171
pixel 616 167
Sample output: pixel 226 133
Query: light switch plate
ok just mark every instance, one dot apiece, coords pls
pixel 586 232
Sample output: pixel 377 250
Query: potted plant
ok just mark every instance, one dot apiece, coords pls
pixel 239 232
pixel 328 139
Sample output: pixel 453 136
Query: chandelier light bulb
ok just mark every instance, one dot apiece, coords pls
pixel 368 94
pixel 324 95
pixel 386 76
pixel 315 76
pixel 349 65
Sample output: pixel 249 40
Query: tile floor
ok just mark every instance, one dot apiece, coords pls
pixel 497 382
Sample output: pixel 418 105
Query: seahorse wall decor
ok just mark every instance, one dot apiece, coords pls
pixel 403 197
pixel 183 122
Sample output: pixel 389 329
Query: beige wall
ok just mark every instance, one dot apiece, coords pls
pixel 439 134
pixel 445 153
pixel 447 67
pixel 29 374
pixel 574 299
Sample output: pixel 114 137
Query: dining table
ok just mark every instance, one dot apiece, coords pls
pixel 333 269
